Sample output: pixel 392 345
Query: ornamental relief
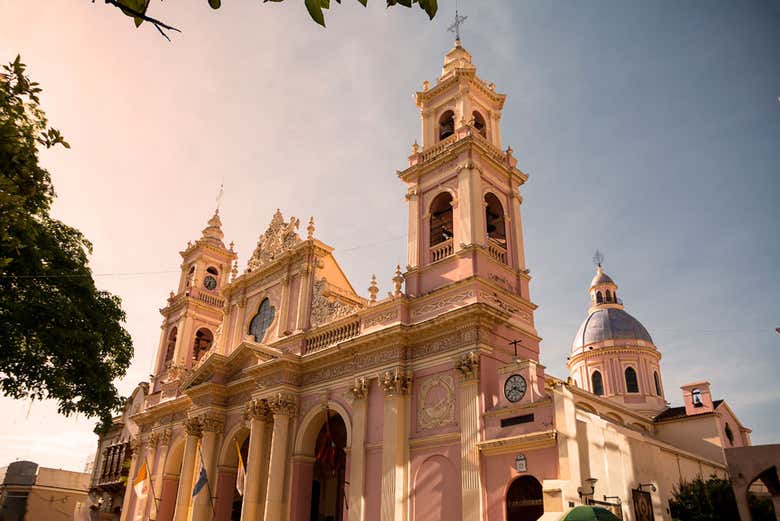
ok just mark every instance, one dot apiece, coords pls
pixel 380 319
pixel 493 299
pixel 325 308
pixel 454 340
pixel 436 402
pixel 277 239
pixel 442 304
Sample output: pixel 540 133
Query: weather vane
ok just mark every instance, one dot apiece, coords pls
pixel 598 258
pixel 455 27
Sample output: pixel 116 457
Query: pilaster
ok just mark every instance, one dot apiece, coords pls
pixel 194 431
pixel 259 415
pixel 283 407
pixel 135 448
pixel 212 425
pixel 357 454
pixel 471 489
pixel 396 385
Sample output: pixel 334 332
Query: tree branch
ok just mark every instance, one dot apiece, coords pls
pixel 158 24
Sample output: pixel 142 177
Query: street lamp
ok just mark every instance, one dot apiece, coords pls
pixel 589 491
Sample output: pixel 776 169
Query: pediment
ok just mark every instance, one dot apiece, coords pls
pixel 249 354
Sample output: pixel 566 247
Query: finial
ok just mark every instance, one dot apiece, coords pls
pixel 398 281
pixel 310 229
pixel 219 197
pixel 373 289
pixel 455 27
pixel 231 245
pixel 415 147
pixel 189 244
pixel 234 271
pixel 598 258
pixel 426 85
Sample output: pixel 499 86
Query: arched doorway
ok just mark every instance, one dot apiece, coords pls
pixel 328 477
pixel 524 500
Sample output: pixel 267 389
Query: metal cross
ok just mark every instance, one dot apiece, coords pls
pixel 219 196
pixel 455 27
pixel 598 258
pixel 514 343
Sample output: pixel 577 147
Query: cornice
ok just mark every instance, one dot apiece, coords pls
pixel 612 350
pixel 502 412
pixel 531 441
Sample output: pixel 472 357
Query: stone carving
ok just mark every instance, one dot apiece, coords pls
pixel 135 444
pixel 451 341
pixel 257 410
pixel 468 365
pixel 446 302
pixel 493 299
pixel 283 403
pixel 193 427
pixel 359 389
pixel 212 423
pixel 164 437
pixel 396 381
pixel 325 309
pixel 150 441
pixel 501 281
pixel 278 238
pixel 436 402
pixel 380 319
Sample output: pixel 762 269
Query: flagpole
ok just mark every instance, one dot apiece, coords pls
pixel 208 483
pixel 151 486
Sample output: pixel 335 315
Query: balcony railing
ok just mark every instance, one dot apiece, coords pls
pixel 333 335
pixel 496 250
pixel 441 250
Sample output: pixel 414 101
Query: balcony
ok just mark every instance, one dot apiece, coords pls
pixel 496 250
pixel 338 332
pixel 441 250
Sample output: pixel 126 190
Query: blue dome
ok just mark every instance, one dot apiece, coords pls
pixel 609 324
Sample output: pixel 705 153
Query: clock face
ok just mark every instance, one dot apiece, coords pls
pixel 514 388
pixel 210 282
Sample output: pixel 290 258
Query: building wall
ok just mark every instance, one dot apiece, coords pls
pixel 700 434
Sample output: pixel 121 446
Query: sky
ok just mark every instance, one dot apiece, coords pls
pixel 649 130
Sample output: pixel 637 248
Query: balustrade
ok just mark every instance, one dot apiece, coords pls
pixel 331 336
pixel 441 250
pixel 496 250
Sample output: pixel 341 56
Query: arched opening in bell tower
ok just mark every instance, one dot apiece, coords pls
pixel 441 219
pixel 479 124
pixel 446 125
pixel 203 340
pixel 170 348
pixel 329 473
pixel 494 219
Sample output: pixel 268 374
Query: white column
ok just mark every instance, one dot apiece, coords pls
pixel 259 416
pixel 284 304
pixel 517 229
pixel 203 504
pixel 471 489
pixel 163 442
pixel 395 447
pixel 283 407
pixel 186 477
pixel 357 451
pixel 304 297
pixel 414 239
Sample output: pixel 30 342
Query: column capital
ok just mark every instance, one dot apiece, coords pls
pixel 213 422
pixel 151 440
pixel 284 404
pixel 359 389
pixel 257 409
pixel 164 437
pixel 193 427
pixel 135 443
pixel 468 366
pixel 395 381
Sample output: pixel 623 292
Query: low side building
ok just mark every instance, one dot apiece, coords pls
pixel 32 493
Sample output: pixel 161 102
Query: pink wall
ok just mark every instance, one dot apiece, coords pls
pixel 300 503
pixel 168 499
pixel 373 482
pixel 436 493
pixel 543 420
pixel 727 418
pixel 223 503
pixel 375 414
pixel 500 471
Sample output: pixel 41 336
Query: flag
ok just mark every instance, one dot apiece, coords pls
pixel 241 474
pixel 141 487
pixel 203 478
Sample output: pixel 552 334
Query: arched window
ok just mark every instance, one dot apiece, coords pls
pixel 632 386
pixel 494 219
pixel 190 276
pixel 203 340
pixel 696 398
pixel 657 383
pixel 524 499
pixel 599 298
pixel 598 383
pixel 212 270
pixel 479 123
pixel 609 296
pixel 441 218
pixel 446 125
pixel 170 348
pixel 729 435
pixel 261 321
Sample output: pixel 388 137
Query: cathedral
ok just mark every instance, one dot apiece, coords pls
pixel 281 394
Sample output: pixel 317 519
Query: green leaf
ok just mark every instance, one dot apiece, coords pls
pixel 430 7
pixel 315 11
pixel 364 2
pixel 215 4
pixel 325 4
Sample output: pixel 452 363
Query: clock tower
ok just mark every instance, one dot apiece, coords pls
pixel 193 314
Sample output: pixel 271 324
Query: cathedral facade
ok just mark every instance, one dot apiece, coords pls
pixel 301 400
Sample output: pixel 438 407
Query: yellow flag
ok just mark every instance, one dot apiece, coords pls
pixel 139 483
pixel 241 473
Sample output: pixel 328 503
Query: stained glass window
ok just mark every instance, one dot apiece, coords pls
pixel 261 321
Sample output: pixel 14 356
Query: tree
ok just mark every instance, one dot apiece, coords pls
pixel 60 337
pixel 138 10
pixel 699 500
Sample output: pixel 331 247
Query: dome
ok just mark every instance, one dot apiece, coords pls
pixel 609 324
pixel 601 278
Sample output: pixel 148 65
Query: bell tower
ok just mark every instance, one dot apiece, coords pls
pixel 462 189
pixel 193 314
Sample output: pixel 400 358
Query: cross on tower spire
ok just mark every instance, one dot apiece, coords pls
pixel 455 27
pixel 598 258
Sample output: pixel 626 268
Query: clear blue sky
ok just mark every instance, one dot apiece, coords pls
pixel 650 130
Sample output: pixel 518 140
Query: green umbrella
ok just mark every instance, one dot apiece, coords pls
pixel 590 514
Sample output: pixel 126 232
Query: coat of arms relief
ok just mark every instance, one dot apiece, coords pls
pixel 326 307
pixel 277 239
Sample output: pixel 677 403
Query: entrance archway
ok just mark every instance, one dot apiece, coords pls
pixel 329 473
pixel 524 500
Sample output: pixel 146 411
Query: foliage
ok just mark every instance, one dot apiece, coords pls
pixel 60 337
pixel 699 500
pixel 138 9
